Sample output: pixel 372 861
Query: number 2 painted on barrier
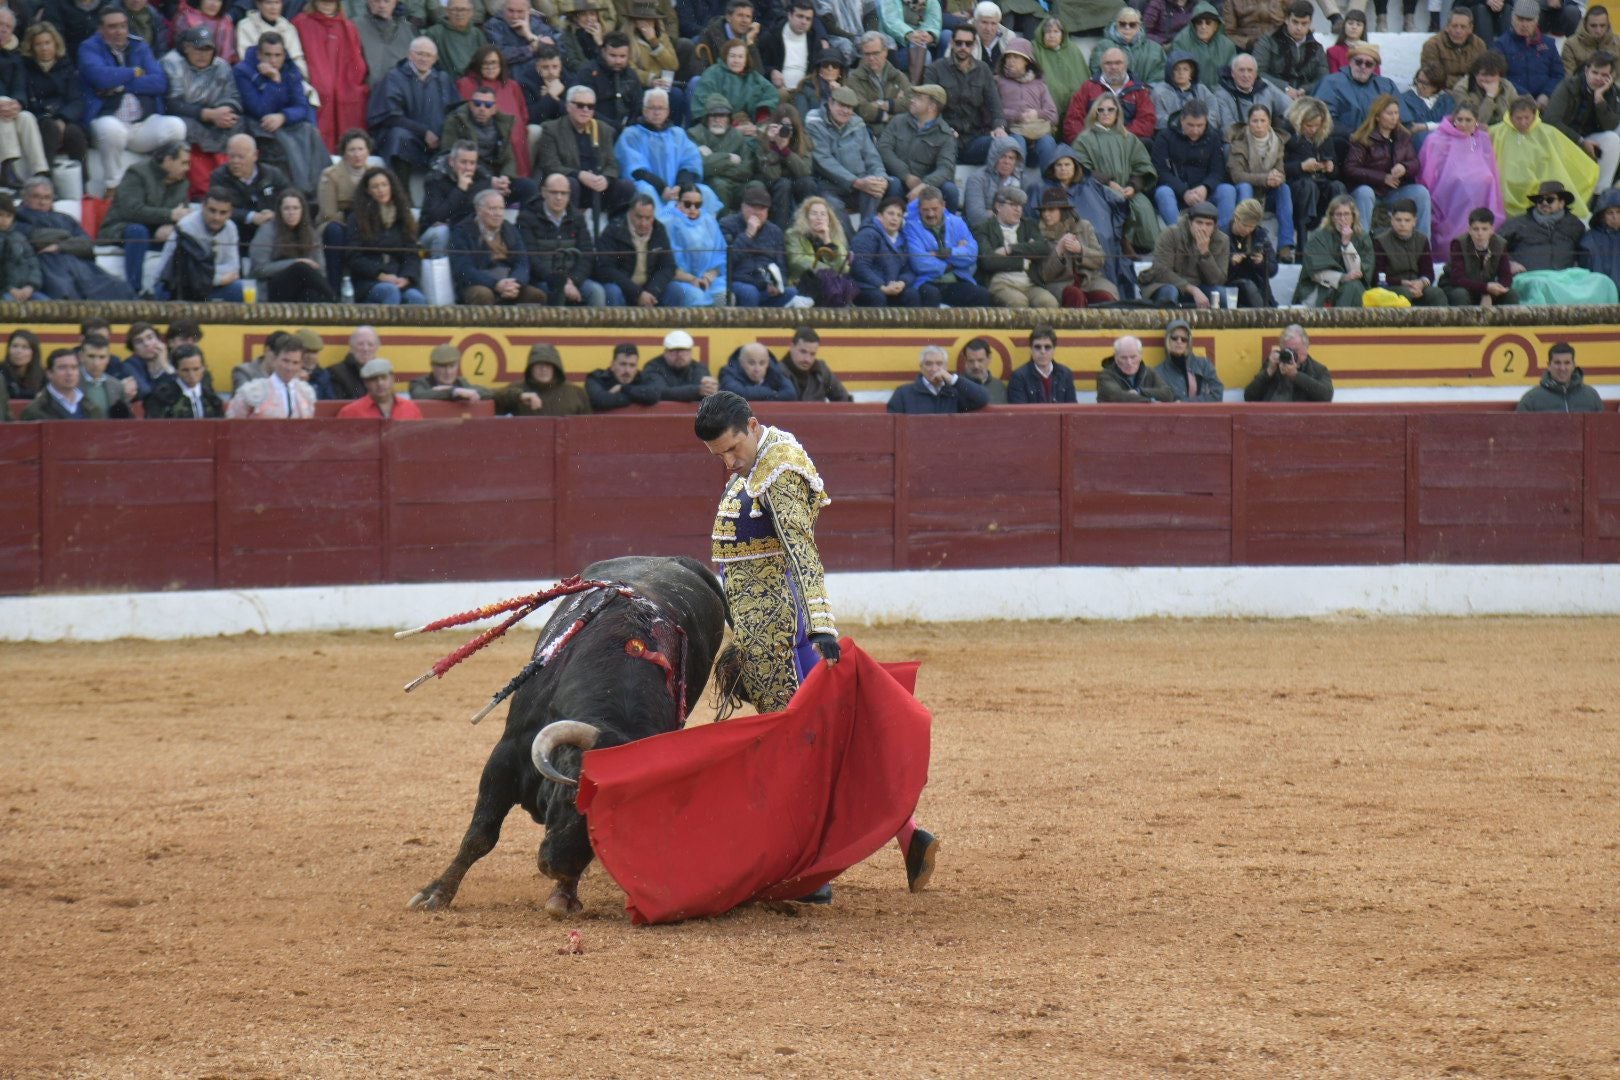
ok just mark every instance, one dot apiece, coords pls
pixel 478 357
pixel 1510 355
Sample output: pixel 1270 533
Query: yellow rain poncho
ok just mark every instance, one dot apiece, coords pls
pixel 1543 153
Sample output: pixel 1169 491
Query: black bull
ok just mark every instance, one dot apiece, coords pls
pixel 592 680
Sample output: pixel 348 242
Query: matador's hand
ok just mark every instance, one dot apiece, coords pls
pixel 827 646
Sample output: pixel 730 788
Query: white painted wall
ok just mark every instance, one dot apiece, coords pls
pixel 870 598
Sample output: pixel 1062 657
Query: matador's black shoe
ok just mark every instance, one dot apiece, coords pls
pixel 920 855
pixel 822 895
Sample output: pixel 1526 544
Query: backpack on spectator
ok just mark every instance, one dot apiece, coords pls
pixel 190 273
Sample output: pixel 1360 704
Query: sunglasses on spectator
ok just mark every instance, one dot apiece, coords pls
pixel 1362 61
pixel 1122 22
pixel 688 204
pixel 1179 337
pixel 1548 200
pixel 1042 346
pixel 591 105
pixel 482 104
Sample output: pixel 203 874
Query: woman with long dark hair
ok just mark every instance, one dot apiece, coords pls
pixel 385 263
pixel 287 254
pixel 25 374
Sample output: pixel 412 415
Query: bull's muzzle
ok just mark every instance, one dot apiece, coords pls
pixel 561 733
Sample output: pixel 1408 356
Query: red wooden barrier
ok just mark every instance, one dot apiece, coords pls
pixel 20 545
pixel 1602 525
pixel 1495 488
pixel 975 493
pixel 1313 490
pixel 150 506
pixel 858 460
pixel 300 502
pixel 128 505
pixel 640 486
pixel 470 501
pixel 1148 486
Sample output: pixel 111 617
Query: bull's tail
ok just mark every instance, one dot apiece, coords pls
pixel 729 694
pixel 561 733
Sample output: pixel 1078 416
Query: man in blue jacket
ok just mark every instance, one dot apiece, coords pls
pixel 878 260
pixel 1349 92
pixel 124 92
pixel 1534 66
pixel 1042 381
pixel 937 389
pixel 943 253
pixel 277 105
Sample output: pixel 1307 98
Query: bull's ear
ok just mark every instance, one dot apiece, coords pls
pixel 561 733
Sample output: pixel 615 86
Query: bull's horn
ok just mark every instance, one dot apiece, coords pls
pixel 561 733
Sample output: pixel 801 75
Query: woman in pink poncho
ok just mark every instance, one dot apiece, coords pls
pixel 1457 163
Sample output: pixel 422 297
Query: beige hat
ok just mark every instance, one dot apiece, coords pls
pixel 931 90
pixel 845 96
pixel 376 367
pixel 1366 48
pixel 309 340
pixel 444 355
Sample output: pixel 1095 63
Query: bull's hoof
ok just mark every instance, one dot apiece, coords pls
pixel 563 903
pixel 432 898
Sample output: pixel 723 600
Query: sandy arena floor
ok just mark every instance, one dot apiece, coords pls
pixel 1364 849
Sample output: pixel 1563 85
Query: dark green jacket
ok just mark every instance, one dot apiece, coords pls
pixel 18 265
pixel 1552 396
pixel 143 197
pixel 1025 255
pixel 46 407
pixel 459 125
pixel 1112 386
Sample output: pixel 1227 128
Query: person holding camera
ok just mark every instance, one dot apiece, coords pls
pixel 1290 373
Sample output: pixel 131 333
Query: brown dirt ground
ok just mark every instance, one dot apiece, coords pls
pixel 1359 848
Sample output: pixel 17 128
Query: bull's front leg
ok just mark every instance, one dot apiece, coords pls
pixel 497 794
pixel 566 850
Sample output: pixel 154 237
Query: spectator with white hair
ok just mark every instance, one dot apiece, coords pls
pixel 125 95
pixel 937 389
pixel 1124 378
pixel 487 261
pixel 66 253
pixel 347 384
pixel 654 154
pixel 585 150
pixel 408 107
pixel 1144 56
pixel 1290 373
pixel 1011 250
pixel 993 38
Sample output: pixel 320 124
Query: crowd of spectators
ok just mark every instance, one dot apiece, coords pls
pixel 795 152
pixel 165 376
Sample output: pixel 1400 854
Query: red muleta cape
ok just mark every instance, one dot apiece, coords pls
pixel 692 823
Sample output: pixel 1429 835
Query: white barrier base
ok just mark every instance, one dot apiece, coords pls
pixel 1070 592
